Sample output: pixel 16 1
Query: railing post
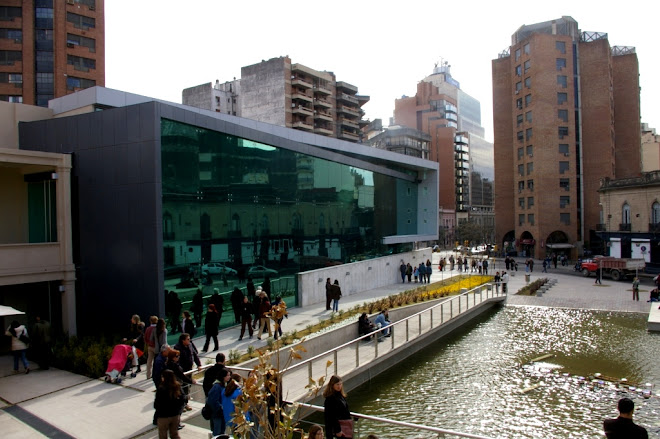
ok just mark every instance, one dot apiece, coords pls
pixel 431 318
pixel 407 330
pixel 309 369
pixel 420 324
pixel 357 353
pixel 451 309
pixel 335 361
pixel 459 304
pixel 376 339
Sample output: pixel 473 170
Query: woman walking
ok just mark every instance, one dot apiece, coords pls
pixel 336 410
pixel 211 328
pixel 232 391
pixel 169 403
pixel 19 341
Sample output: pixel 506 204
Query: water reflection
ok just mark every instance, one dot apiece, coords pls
pixel 479 380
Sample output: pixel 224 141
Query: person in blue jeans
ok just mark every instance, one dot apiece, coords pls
pixel 336 295
pixel 18 346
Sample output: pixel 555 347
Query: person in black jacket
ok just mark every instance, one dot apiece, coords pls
pixel 246 317
pixel 236 302
pixel 335 407
pixel 173 365
pixel 623 427
pixel 213 372
pixel 169 403
pixel 211 327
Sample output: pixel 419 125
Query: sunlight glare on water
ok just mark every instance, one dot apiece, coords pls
pixel 479 380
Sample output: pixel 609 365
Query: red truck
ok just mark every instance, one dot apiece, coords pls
pixel 616 268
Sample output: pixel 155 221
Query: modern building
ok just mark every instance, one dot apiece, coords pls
pixel 566 115
pixel 50 48
pixel 287 94
pixel 631 218
pixel 37 274
pixel 403 140
pixel 158 188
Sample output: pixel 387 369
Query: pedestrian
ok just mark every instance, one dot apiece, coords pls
pixel 168 403
pixel 402 270
pixel 211 328
pixel 497 279
pixel 151 344
pixel 41 343
pixel 278 312
pixel 338 422
pixel 213 373
pixel 173 357
pixel 328 291
pixel 188 325
pixel 336 295
pixel 246 317
pixel 19 344
pixel 315 432
pixel 264 320
pixel 214 401
pixel 198 307
pixel 635 288
pixel 485 264
pixel 236 303
pixel 232 391
pixel 554 260
pixel 409 271
pixel 159 365
pixel 219 303
pixel 175 312
pixel 188 358
pixel 505 282
pixel 599 274
pixel 545 266
pixel 416 274
pixel 159 335
pixel 623 427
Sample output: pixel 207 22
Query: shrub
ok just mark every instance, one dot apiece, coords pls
pixel 83 355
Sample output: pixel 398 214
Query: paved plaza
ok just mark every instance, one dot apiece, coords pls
pixel 59 404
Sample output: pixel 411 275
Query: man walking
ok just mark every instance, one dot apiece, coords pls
pixel 623 427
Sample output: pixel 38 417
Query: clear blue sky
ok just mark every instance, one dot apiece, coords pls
pixel 159 47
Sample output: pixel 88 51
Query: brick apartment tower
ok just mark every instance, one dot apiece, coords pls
pixel 50 48
pixel 566 114
pixel 287 94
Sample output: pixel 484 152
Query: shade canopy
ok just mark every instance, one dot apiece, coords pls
pixel 9 311
pixel 560 245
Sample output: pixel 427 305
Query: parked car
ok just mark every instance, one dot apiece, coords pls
pixel 261 271
pixel 219 268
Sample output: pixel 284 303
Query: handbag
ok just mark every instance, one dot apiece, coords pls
pixel 346 426
pixel 207 412
pixel 24 338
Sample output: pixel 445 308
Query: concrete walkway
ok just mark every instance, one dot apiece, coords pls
pixel 59 404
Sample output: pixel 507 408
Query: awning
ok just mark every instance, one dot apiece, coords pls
pixel 9 311
pixel 560 245
pixel 527 242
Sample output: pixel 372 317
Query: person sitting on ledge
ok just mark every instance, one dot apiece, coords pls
pixel 365 326
pixel 655 295
pixel 383 321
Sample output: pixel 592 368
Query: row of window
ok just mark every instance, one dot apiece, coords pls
pixel 626 215
pixel 563 167
pixel 529 150
pixel 564 218
pixel 80 21
pixel 11 34
pixel 564 183
pixel 12 98
pixel 564 201
pixel 11 78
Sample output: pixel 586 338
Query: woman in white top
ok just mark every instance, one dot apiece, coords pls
pixel 18 346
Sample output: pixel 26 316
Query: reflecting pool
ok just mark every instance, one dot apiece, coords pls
pixel 480 380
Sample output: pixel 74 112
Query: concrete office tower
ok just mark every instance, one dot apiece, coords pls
pixel 50 49
pixel 290 95
pixel 566 115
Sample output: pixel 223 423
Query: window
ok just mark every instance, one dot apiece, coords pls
pixel 530 219
pixel 519 120
pixel 519 103
pixel 530 150
pixel 528 134
pixel 520 153
pixel 518 70
pixel 8 13
pixel 80 21
pixel 12 34
pixel 530 167
pixel 530 201
pixel 80 63
pixel 9 57
pixel 625 214
pixel 561 98
pixel 562 131
pixel 528 116
pixel 562 81
pixel 560 46
pixel 518 87
pixel 530 185
pixel 517 54
pixel 519 136
pixel 562 115
pixel 526 49
pixel 521 202
pixel 561 64
pixel 563 149
pixel 528 100
pixel 655 213
pixel 11 98
pixel 45 83
pixel 11 78
pixel 564 200
pixel 521 169
pixel 565 218
pixel 521 219
pixel 77 40
pixel 528 82
pixel 563 167
pixel 527 65
pixel 564 183
pixel 521 186
pixel 73 83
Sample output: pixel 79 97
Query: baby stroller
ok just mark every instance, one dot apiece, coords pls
pixel 122 360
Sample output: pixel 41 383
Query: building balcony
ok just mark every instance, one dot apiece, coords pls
pixel 348 123
pixel 461 140
pixel 301 82
pixel 301 125
pixel 299 109
pixel 348 110
pixel 344 134
pixel 347 98
pixel 323 131
pixel 625 227
pixel 301 97
pixel 341 85
pixel 323 116
pixel 318 89
pixel 37 259
pixel 322 103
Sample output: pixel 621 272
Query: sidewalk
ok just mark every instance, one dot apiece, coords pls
pixel 59 404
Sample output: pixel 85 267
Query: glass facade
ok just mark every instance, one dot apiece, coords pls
pixel 247 204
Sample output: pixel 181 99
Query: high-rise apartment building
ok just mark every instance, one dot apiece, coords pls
pixel 566 115
pixel 50 48
pixel 287 94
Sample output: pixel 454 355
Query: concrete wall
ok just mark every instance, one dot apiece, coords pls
pixel 357 276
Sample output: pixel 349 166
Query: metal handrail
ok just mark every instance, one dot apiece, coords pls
pixel 402 424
